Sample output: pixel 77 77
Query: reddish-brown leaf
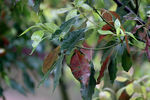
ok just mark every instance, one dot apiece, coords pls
pixel 106 15
pixel 88 53
pixel 100 38
pixel 127 44
pixel 108 27
pixel 80 67
pixel 103 67
pixel 50 59
pixel 115 14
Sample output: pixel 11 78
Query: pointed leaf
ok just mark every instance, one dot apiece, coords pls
pixel 112 68
pixel 103 68
pixel 58 71
pixel 87 91
pixel 71 40
pixel 126 60
pixel 50 59
pixel 28 29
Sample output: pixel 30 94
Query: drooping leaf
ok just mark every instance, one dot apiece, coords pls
pixel 29 29
pixel 46 75
pixel 112 68
pixel 17 87
pixel 87 91
pixel 126 60
pixel 37 38
pixel 80 67
pixel 58 71
pixel 28 81
pixel 103 68
pixel 50 60
pixel 71 40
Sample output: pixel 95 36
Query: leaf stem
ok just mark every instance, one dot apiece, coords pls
pixel 97 49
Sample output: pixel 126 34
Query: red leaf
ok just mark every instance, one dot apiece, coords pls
pixel 104 66
pixel 88 53
pixel 80 67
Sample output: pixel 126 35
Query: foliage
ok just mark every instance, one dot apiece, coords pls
pixel 88 29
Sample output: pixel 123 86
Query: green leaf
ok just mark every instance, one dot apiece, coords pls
pixel 64 28
pixel 101 32
pixel 51 27
pixel 17 87
pixel 129 89
pixel 112 68
pixel 1 91
pixel 37 38
pixel 139 44
pixel 71 14
pixel 86 7
pixel 63 10
pixel 71 40
pixel 126 60
pixel 79 3
pixel 28 81
pixel 46 75
pixel 87 91
pixel 29 29
pixel 117 23
pixel 131 35
pixel 58 71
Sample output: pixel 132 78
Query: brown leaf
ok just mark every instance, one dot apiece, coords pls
pixel 106 15
pixel 115 14
pixel 103 67
pixel 50 59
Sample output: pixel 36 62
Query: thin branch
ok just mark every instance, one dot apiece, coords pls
pixel 128 10
pixel 88 18
pixel 103 18
pixel 97 49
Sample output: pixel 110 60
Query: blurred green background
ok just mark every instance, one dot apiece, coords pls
pixel 22 72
